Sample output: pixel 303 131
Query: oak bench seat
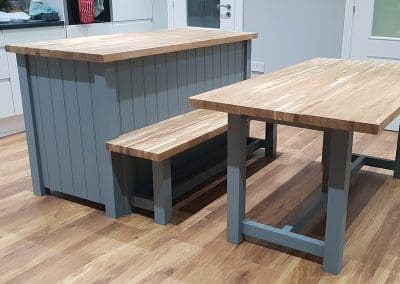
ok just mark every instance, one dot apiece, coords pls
pixel 161 141
pixel 170 137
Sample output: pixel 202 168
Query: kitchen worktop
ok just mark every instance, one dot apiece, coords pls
pixel 72 107
pixel 30 24
pixel 116 47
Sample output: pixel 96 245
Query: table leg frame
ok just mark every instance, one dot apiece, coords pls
pixel 271 138
pixel 338 165
pixel 236 177
pixel 340 154
pixel 162 188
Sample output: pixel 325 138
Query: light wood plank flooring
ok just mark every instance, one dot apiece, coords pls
pixel 48 239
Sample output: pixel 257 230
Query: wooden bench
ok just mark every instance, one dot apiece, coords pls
pixel 162 141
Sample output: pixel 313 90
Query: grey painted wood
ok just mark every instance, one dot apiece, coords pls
pixel 39 120
pixel 76 107
pixel 377 162
pixel 247 57
pixel 224 65
pixel 191 73
pixel 182 77
pixel 161 87
pixel 123 166
pixel 61 131
pixel 208 69
pixel 162 187
pixel 325 160
pixel 30 126
pixel 139 101
pixel 107 117
pixel 283 237
pixel 396 173
pixel 236 177
pixel 341 144
pixel 172 84
pixel 239 61
pixel 231 62
pixel 46 109
pixel 216 66
pixel 200 70
pixel 271 138
pixel 74 128
pixel 89 149
pixel 150 89
pixel 357 164
pixel 126 104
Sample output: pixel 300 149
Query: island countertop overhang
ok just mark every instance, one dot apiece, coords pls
pixel 117 47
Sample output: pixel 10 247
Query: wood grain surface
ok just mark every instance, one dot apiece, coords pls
pixel 115 47
pixel 360 96
pixel 167 138
pixel 53 240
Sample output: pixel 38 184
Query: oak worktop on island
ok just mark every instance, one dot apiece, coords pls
pixel 79 93
pixel 115 47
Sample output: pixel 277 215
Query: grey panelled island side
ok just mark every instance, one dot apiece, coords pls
pixel 79 93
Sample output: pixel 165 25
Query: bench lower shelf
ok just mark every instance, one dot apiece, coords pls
pixel 186 179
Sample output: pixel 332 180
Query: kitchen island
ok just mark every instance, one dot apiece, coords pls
pixel 79 93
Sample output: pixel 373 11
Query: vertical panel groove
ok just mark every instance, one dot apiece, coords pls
pixel 182 77
pixel 39 118
pixel 57 178
pixel 46 110
pixel 80 131
pixel 60 119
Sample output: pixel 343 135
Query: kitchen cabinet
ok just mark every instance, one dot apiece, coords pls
pixel 89 30
pixel 14 80
pixel 2 41
pixel 128 16
pixel 6 100
pixel 4 74
pixel 10 93
pixel 21 36
pixel 33 34
pixel 131 10
pixel 134 26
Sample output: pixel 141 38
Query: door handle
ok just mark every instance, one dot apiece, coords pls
pixel 227 6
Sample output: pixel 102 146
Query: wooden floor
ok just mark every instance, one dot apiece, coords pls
pixel 49 239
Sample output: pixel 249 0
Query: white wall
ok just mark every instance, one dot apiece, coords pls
pixel 291 31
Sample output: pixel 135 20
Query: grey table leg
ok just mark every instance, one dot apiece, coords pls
pixel 271 131
pixel 325 160
pixel 397 161
pixel 162 192
pixel 237 136
pixel 340 153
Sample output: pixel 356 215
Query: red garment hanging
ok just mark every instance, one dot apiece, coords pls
pixel 86 11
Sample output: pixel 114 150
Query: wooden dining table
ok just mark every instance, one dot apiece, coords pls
pixel 338 97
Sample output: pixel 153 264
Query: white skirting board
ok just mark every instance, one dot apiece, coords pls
pixel 394 126
pixel 11 125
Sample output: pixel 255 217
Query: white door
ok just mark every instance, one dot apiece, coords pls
pixel 375 33
pixel 216 14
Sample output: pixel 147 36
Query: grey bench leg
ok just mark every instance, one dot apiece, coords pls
pixel 271 131
pixel 325 160
pixel 339 165
pixel 162 189
pixel 397 161
pixel 116 202
pixel 236 177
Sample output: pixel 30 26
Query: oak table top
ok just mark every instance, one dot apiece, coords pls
pixel 359 96
pixel 115 47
